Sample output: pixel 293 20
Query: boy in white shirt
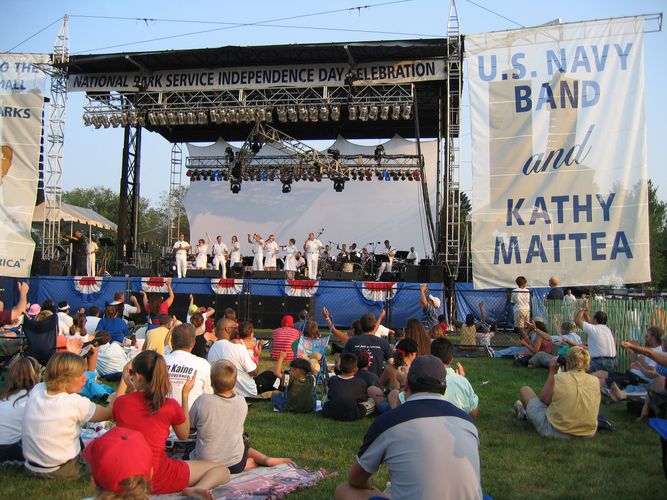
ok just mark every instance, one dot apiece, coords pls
pixel 520 299
pixel 182 364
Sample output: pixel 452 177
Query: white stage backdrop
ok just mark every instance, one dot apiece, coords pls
pixel 364 212
pixel 21 103
pixel 559 160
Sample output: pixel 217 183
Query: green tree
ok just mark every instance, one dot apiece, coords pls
pixel 657 221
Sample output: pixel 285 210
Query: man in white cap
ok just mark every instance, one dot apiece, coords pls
pixel 65 321
pixel 430 305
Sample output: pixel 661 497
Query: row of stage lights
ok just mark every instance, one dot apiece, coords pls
pixel 311 175
pixel 247 115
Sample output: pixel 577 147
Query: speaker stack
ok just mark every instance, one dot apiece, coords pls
pixel 423 274
pixel 204 273
pixel 269 275
pixel 341 276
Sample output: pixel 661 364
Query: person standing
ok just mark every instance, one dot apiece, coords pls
pixel 290 260
pixel 312 247
pixel 235 256
pixel 258 250
pixel 181 249
pixel 201 254
pixel 270 253
pixel 520 300
pixel 389 252
pixel 220 252
pixel 78 243
pixel 556 292
pixel 91 250
pixel 413 256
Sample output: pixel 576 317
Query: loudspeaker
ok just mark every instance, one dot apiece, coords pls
pixel 132 270
pixel 266 312
pixel 269 275
pixel 48 268
pixel 330 275
pixel 423 274
pixel 411 274
pixel 204 273
pixel 341 276
pixel 389 276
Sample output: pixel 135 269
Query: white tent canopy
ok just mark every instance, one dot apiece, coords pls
pixel 74 214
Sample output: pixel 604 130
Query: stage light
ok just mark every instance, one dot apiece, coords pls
pixel 287 187
pixel 188 173
pixel 335 113
pixel 369 175
pixel 324 113
pixel 407 111
pixel 335 153
pixel 87 121
pixel 415 175
pixel 352 113
pixel 292 114
pixel 384 114
pixel 265 175
pixel 402 176
pixel 379 152
pixel 303 113
pixel 363 113
pixel 313 113
pixel 115 120
pixel 386 176
pixel 394 176
pixel 181 119
pixel 95 120
pixel 215 115
pixel 171 118
pixel 104 120
pixel 396 112
pixel 235 187
pixel 282 114
pixel 272 175
pixel 162 119
pixel 373 113
pixel 124 118
pixel 192 118
pixel 152 118
pixel 339 185
pixel 202 119
pixel 133 118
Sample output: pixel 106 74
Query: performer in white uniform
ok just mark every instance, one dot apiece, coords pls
pixel 386 266
pixel 181 248
pixel 271 250
pixel 220 252
pixel 201 254
pixel 290 262
pixel 258 249
pixel 91 250
pixel 235 256
pixel 312 248
pixel 413 256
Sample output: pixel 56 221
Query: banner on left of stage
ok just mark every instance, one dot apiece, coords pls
pixel 21 103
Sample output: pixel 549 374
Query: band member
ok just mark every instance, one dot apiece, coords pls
pixel 258 250
pixel 342 254
pixel 353 253
pixel 413 256
pixel 290 263
pixel 220 252
pixel 235 256
pixel 299 264
pixel 181 249
pixel 312 248
pixel 78 243
pixel 271 250
pixel 91 250
pixel 201 254
pixel 386 266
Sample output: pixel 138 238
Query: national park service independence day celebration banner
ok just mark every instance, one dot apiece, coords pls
pixel 559 154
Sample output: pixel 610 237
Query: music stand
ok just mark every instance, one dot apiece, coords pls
pixel 380 258
pixel 248 261
pixel 401 254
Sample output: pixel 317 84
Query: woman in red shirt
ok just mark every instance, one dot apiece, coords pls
pixel 148 410
pixel 156 306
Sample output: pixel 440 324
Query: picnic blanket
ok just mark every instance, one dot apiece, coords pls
pixel 264 483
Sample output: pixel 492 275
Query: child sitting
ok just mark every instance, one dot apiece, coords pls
pixel 363 362
pixel 219 419
pixel 348 395
pixel 52 420
pixel 299 395
pixel 254 346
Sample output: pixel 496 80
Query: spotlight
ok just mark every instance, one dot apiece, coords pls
pixel 394 176
pixel 215 115
pixel 335 113
pixel 282 114
pixel 373 113
pixel 225 116
pixel 313 113
pixel 87 121
pixel 162 119
pixel 287 186
pixel 369 175
pixel 415 175
pixel 235 187
pixel 339 185
pixel 201 118
pixel 384 114
pixel 386 176
pixel 188 173
pixel 396 112
pixel 95 120
pixel 363 113
pixel 324 113
pixel 379 152
pixel 335 154
pixel 115 120
pixel 229 154
pixel 407 112
pixel 303 113
pixel 104 119
pixel 256 145
pixel 352 113
pixel 152 118
pixel 264 175
pixel 171 118
pixel 261 114
pixel 292 114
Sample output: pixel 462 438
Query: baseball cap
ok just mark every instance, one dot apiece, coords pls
pixel 119 454
pixel 435 300
pixel 34 310
pixel 193 309
pixel 427 371
pixel 287 320
pixel 300 363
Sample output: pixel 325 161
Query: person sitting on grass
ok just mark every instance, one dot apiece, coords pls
pixel 310 331
pixel 147 408
pixel 566 338
pixel 114 475
pixel 219 419
pixel 24 373
pixel 459 390
pixel 569 402
pixel 658 384
pixel 347 398
pixel 52 420
pixel 601 345
pixel 394 377
pixel 363 361
pixel 111 323
pixel 159 337
pixel 536 344
pixel 468 329
pixel 430 447
pixel 299 395
pixel 376 346
pixel 111 357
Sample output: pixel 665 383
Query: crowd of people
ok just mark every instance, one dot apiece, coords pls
pixel 191 380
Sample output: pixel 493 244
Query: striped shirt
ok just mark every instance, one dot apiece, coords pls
pixel 281 340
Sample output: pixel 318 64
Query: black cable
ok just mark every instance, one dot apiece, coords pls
pixel 495 13
pixel 34 35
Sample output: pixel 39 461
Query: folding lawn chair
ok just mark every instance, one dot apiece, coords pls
pixel 41 337
pixel 306 346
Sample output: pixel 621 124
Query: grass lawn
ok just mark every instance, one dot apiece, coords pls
pixel 516 462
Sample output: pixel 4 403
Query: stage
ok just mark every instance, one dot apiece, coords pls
pixel 262 301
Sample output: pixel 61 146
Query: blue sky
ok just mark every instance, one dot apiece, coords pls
pixel 93 157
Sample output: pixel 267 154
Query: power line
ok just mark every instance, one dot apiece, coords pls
pixel 229 25
pixel 495 13
pixel 35 34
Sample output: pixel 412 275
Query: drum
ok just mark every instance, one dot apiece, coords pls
pixel 348 267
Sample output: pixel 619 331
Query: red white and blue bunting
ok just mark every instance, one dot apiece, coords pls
pixel 87 284
pixel 226 286
pixel 154 285
pixel 378 291
pixel 301 288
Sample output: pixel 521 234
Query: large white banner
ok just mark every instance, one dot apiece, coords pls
pixel 21 104
pixel 559 159
pixel 263 77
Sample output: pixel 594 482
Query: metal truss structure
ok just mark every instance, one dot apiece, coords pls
pixel 175 182
pixel 128 209
pixel 53 169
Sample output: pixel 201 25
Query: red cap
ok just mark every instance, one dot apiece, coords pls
pixel 119 454
pixel 287 320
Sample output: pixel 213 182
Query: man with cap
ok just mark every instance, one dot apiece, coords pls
pixel 124 309
pixel 282 338
pixel 417 441
pixel 430 305
pixel 65 321
pixel 112 471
